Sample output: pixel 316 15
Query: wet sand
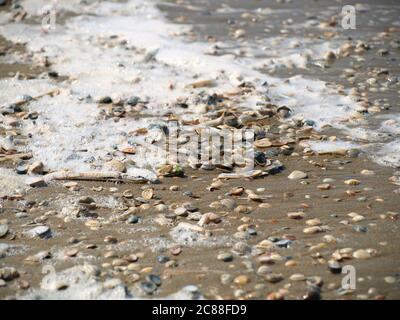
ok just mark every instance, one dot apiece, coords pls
pixel 198 265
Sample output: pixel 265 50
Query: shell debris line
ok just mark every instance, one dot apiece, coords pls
pixel 180 150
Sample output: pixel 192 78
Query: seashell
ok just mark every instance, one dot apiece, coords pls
pixel 129 150
pixel 253 196
pixel 230 204
pixel 248 174
pixel 295 175
pixel 237 191
pixel 243 209
pixel 313 222
pixel 352 182
pixel 181 211
pixel 214 122
pixel 3 230
pixel 312 230
pixel 231 121
pixel 263 143
pixel 239 33
pixel 362 254
pixel 169 170
pixel 260 158
pixel 216 185
pixel 284 112
pixel 115 165
pixel 207 166
pixel 296 215
pixel 209 217
pixel 127 194
pixel 148 193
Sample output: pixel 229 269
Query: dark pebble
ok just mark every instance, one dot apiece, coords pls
pixel 359 228
pixel 148 287
pixel 154 279
pixel 163 259
pixel 334 267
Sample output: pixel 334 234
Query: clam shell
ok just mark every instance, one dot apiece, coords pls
pixel 263 143
pixel 237 191
pixel 148 194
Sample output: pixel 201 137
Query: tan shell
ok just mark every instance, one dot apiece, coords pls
pixel 148 193
pixel 165 169
pixel 263 143
pixel 208 217
pixel 127 194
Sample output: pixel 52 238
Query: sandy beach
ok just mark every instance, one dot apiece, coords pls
pixel 88 212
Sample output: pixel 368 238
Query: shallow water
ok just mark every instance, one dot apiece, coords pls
pixel 106 50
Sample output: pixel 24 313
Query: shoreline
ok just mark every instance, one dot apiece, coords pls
pixel 88 220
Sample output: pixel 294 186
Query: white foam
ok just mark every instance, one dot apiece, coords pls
pixel 10 183
pixel 82 283
pixel 157 53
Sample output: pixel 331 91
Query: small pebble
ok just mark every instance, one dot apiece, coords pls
pixel 296 175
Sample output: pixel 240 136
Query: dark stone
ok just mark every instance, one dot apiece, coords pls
pixel 283 243
pixel 359 228
pixel 148 287
pixel 260 158
pixel 310 123
pixel 159 126
pixel 273 239
pixel 188 193
pixel 21 168
pixel 154 279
